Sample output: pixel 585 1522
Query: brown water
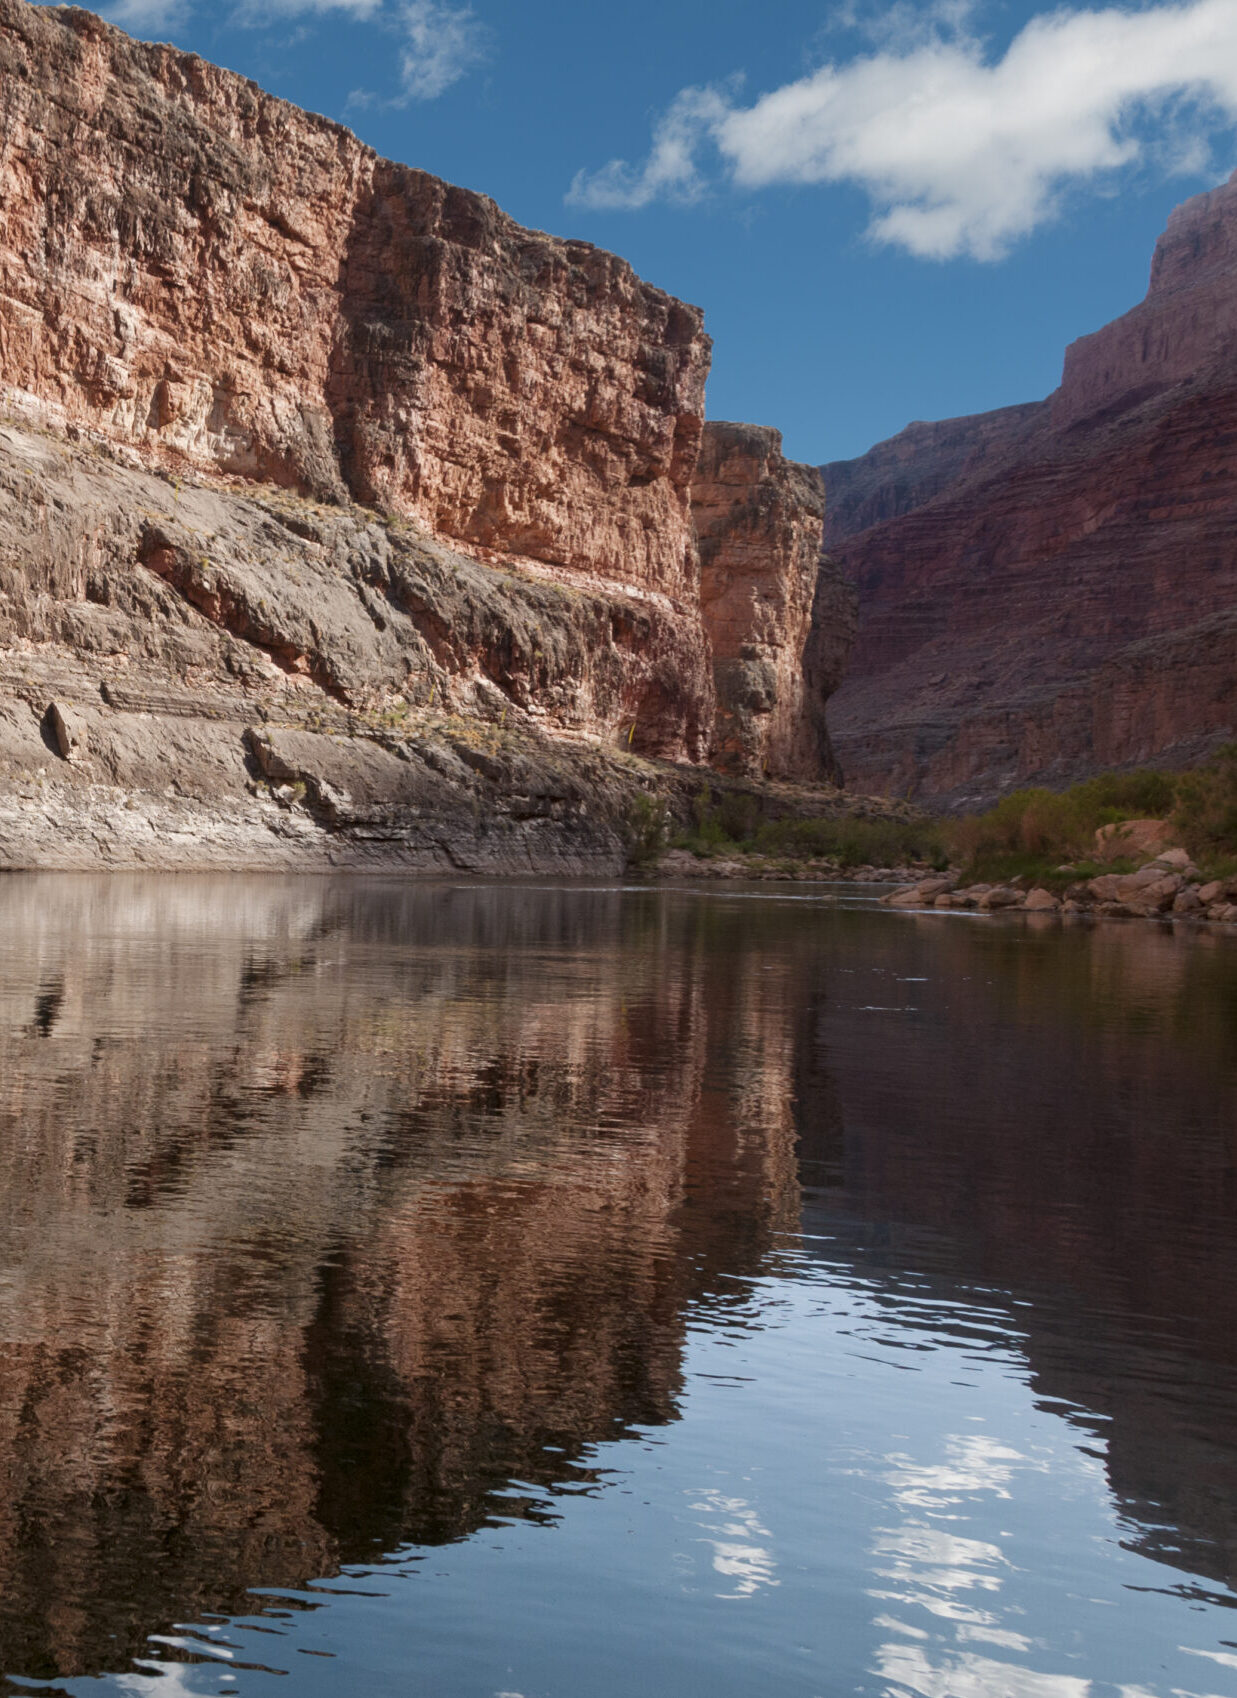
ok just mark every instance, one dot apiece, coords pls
pixel 553 1292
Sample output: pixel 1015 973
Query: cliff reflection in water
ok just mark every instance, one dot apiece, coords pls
pixel 329 1210
pixel 335 1208
pixel 1059 1122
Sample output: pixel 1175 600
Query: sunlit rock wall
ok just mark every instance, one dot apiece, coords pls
pixel 213 278
pixel 759 519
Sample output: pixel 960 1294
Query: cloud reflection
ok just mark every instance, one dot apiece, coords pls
pixel 737 1555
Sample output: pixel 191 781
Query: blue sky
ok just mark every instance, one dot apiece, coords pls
pixel 888 212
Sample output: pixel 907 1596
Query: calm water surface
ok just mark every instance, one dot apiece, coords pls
pixel 465 1292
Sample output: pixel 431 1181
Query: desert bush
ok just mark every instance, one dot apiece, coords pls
pixel 1037 825
pixel 853 842
pixel 647 830
pixel 1206 806
pixel 731 824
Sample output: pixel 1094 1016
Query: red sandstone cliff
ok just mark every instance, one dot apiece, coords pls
pixel 197 269
pixel 1052 590
pixel 213 299
pixel 759 519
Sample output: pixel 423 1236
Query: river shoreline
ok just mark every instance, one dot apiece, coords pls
pixel 1168 890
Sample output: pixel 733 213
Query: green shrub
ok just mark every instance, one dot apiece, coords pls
pixel 1036 826
pixel 731 824
pixel 647 829
pixel 855 842
pixel 1206 811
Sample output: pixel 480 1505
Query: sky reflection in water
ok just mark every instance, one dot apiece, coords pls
pixel 545 1293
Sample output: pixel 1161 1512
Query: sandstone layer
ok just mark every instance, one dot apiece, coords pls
pixel 1050 591
pixel 759 519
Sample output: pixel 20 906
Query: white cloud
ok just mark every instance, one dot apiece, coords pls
pixel 960 153
pixel 443 44
pixel 257 12
pixel 440 42
pixel 147 14
pixel 671 171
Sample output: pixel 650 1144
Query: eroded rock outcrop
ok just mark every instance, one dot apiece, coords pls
pixel 248 678
pixel 759 519
pixel 1050 591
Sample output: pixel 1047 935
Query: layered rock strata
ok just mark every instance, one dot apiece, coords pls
pixel 191 675
pixel 1050 591
pixel 759 518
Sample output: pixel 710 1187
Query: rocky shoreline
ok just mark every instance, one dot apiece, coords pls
pixel 1169 887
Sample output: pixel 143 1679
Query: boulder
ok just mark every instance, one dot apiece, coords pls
pixel 1002 896
pixel 1187 901
pixel 1042 902
pixel 1211 892
pixel 1133 840
pixel 1104 888
pixel 68 731
pixel 1151 889
pixel 921 895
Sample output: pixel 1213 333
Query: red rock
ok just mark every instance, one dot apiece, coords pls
pixel 1001 897
pixel 1050 591
pixel 759 519
pixel 202 272
pixel 1042 901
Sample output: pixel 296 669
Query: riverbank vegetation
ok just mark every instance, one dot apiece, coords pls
pixel 1039 835
pixel 1050 836
pixel 730 825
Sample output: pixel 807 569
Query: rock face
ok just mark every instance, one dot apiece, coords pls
pixel 191 676
pixel 222 281
pixel 1050 591
pixel 302 444
pixel 759 519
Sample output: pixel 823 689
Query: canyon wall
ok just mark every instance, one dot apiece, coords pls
pixel 1050 591
pixel 759 519
pixel 297 444
pixel 219 280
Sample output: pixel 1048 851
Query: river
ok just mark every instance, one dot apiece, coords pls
pixel 466 1291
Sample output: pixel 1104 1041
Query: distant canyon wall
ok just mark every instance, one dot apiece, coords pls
pixel 1051 590
pixel 210 283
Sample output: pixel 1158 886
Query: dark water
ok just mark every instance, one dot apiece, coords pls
pixel 468 1293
